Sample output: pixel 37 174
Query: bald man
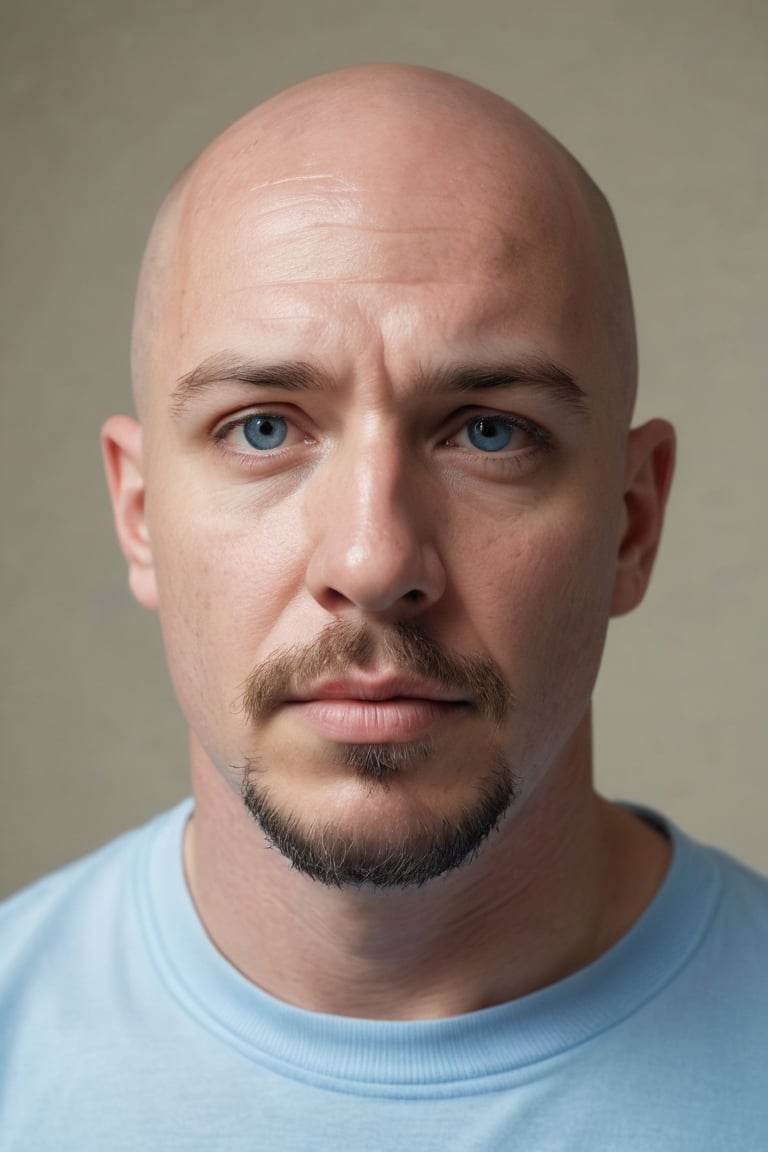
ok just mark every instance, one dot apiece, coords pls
pixel 384 494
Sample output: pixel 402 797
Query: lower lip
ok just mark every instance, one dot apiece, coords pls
pixel 376 721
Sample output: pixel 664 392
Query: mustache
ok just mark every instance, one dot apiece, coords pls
pixel 405 646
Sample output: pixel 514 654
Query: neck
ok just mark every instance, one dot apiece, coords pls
pixel 561 881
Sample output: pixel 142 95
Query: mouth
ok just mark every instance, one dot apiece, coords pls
pixel 376 711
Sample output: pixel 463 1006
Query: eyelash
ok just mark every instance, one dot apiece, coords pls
pixel 220 434
pixel 501 460
pixel 535 431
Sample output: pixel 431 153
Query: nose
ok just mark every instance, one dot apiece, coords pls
pixel 373 535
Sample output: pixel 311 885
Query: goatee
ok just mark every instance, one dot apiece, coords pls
pixel 339 858
pixel 336 856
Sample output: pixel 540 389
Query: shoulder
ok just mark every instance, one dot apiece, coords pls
pixel 737 882
pixel 693 859
pixel 728 938
pixel 58 914
pixel 743 904
pixel 705 931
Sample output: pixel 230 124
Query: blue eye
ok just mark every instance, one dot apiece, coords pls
pixel 490 434
pixel 265 432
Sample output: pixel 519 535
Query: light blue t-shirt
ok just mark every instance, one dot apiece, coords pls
pixel 122 1027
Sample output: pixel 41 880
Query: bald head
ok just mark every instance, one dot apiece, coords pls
pixel 390 150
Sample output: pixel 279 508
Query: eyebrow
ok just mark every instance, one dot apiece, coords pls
pixel 522 371
pixel 299 376
pixel 294 376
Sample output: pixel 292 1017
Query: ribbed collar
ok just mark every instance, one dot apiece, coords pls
pixel 466 1053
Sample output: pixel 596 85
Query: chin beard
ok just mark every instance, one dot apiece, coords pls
pixel 338 858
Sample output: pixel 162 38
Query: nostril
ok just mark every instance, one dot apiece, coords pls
pixel 415 596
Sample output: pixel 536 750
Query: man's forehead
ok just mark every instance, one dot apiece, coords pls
pixel 356 225
pixel 312 264
pixel 340 263
pixel 340 187
pixel 307 239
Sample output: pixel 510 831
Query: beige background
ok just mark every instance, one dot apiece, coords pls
pixel 665 101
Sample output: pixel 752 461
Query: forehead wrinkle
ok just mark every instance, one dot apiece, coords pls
pixel 383 230
pixel 294 223
pixel 246 215
pixel 279 214
pixel 330 177
pixel 319 282
pixel 295 248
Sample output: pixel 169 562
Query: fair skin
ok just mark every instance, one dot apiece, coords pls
pixel 457 459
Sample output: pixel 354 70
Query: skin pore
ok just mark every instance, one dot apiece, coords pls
pixel 384 363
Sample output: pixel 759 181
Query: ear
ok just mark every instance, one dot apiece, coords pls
pixel 121 445
pixel 647 480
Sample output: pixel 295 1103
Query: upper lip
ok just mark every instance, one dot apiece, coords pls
pixel 376 688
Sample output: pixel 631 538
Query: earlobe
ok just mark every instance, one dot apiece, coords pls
pixel 648 476
pixel 121 443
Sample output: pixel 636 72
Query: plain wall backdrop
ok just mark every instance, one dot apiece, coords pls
pixel 664 101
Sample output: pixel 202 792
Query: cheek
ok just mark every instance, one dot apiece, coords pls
pixel 546 590
pixel 225 576
pixel 544 615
